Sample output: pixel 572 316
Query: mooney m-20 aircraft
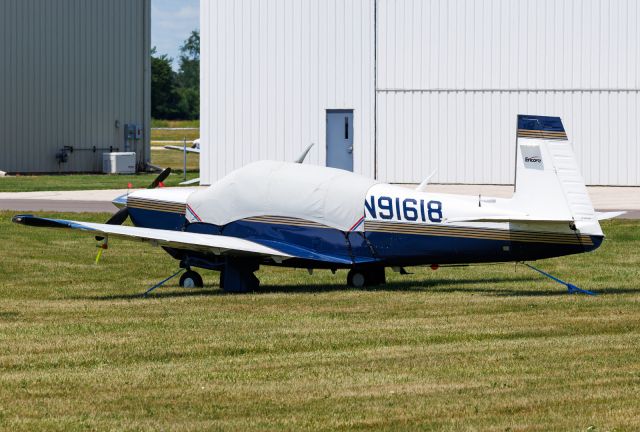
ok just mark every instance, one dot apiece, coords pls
pixel 304 216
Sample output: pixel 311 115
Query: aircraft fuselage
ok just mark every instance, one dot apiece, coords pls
pixel 400 227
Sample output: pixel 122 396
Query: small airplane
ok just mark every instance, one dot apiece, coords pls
pixel 311 217
pixel 193 148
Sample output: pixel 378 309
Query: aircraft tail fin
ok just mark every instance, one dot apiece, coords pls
pixel 548 180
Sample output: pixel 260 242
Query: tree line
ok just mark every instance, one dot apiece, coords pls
pixel 176 95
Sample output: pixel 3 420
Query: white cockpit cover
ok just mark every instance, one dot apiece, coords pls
pixel 328 196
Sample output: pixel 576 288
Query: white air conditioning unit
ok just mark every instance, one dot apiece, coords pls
pixel 119 163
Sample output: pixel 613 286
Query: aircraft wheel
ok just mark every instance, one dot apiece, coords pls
pixel 191 279
pixel 362 278
pixel 356 278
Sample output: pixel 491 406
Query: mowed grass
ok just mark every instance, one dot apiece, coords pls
pixel 157 123
pixel 476 348
pixel 69 182
pixel 162 158
pixel 174 135
pixel 159 135
pixel 175 160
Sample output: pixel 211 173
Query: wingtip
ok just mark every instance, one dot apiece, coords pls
pixel 19 219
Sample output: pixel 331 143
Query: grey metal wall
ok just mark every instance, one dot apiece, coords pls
pixel 445 80
pixel 70 72
pixel 270 70
pixel 453 75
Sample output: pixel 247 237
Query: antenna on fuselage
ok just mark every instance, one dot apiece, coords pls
pixel 422 187
pixel 304 154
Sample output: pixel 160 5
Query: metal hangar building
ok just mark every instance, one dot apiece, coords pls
pixel 75 82
pixel 399 89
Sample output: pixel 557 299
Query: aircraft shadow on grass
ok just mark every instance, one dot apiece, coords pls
pixel 429 285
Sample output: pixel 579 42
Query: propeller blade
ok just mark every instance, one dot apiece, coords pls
pixel 163 175
pixel 117 219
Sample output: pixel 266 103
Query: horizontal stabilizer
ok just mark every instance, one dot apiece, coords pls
pixel 504 218
pixel 216 244
pixel 609 215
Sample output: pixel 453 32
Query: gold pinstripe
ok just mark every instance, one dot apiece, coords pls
pixel 478 233
pixel 163 206
pixel 442 231
pixel 527 133
pixel 283 220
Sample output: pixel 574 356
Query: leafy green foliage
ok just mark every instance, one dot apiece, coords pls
pixel 165 99
pixel 177 95
pixel 189 75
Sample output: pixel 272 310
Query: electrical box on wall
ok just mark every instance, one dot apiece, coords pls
pixel 132 132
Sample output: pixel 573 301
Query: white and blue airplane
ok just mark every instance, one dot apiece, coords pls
pixel 311 217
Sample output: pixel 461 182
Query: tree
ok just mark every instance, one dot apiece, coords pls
pixel 165 98
pixel 177 95
pixel 189 76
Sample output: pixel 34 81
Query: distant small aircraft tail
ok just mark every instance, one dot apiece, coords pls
pixel 549 185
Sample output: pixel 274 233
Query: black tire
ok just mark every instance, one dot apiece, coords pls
pixel 360 278
pixel 191 279
pixel 356 278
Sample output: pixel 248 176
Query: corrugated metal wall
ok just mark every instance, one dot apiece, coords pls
pixel 450 79
pixel 70 69
pixel 453 75
pixel 269 71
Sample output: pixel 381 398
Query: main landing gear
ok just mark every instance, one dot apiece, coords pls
pixel 236 275
pixel 364 277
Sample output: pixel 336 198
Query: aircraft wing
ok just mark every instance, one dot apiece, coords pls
pixel 218 245
pixel 179 148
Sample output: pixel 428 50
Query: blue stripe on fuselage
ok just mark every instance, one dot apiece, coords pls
pixel 389 248
pixel 407 249
pixel 156 219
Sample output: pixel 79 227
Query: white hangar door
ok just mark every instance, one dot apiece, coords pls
pixel 452 76
pixel 340 139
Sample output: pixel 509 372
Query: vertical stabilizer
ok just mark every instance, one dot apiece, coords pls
pixel 548 181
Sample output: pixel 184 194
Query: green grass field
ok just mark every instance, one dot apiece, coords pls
pixel 477 348
pixel 158 136
pixel 156 123
pixel 163 158
pixel 173 135
pixel 175 160
pixel 83 182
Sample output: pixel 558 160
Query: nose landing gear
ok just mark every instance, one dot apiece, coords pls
pixel 191 279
